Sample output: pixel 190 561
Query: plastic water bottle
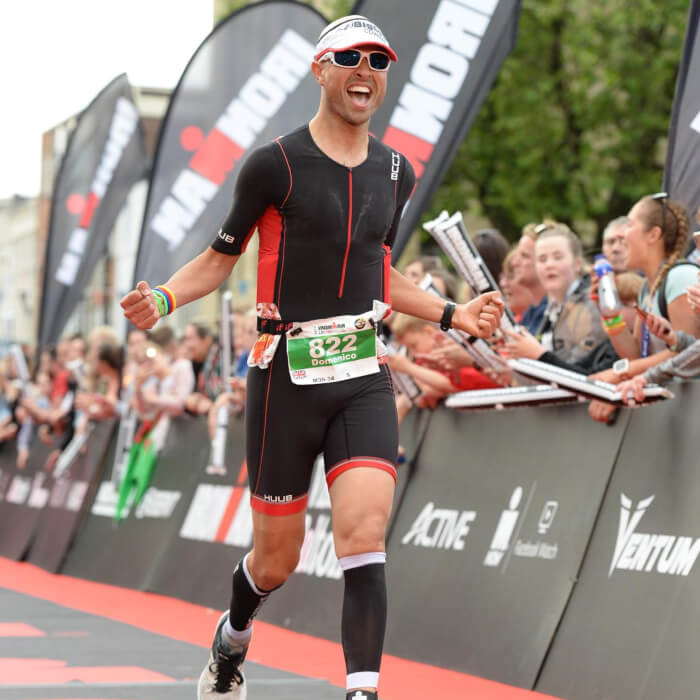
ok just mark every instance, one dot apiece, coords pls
pixel 608 299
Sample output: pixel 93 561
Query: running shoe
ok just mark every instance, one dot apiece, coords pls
pixel 361 695
pixel 222 678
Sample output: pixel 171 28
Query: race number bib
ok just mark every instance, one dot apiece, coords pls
pixel 333 349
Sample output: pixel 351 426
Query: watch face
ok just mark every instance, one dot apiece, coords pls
pixel 621 366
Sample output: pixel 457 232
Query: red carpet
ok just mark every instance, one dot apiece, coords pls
pixel 272 646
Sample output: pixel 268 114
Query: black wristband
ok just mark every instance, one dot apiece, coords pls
pixel 446 320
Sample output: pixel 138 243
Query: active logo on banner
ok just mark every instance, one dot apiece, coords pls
pixel 440 528
pixel 506 538
pixel 636 551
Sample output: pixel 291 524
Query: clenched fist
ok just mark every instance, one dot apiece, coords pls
pixel 140 307
pixel 481 316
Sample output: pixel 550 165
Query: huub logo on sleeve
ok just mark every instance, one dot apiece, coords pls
pixel 395 165
pixel 226 237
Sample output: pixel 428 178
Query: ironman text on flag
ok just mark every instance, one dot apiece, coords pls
pixel 437 76
pixel 216 154
pixel 124 122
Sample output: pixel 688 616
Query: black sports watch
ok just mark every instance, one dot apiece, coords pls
pixel 446 320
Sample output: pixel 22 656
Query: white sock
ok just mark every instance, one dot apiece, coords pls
pixel 235 640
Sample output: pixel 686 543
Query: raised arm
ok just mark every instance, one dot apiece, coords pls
pixel 480 317
pixel 195 279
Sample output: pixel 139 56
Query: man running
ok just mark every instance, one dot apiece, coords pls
pixel 326 200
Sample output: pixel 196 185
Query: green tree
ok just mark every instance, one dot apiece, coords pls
pixel 575 127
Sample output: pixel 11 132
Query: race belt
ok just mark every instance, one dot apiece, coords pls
pixel 334 349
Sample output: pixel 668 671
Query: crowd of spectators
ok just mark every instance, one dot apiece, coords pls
pixel 552 290
pixel 154 376
pixel 546 280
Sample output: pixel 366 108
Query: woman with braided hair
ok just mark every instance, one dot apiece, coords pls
pixel 657 239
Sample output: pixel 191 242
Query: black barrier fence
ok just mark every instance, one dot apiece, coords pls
pixel 632 624
pixel 126 552
pixel 25 496
pixel 494 528
pixel 68 497
pixel 532 546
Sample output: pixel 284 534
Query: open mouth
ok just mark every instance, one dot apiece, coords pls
pixel 359 95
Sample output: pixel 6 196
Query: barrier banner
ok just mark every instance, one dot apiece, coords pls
pixel 105 157
pixel 235 94
pixel 8 459
pixel 125 552
pixel 213 532
pixel 450 52
pixel 68 498
pixel 631 628
pixel 682 173
pixel 491 535
pixel 25 495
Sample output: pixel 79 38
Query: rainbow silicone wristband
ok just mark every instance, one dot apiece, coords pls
pixel 160 303
pixel 613 322
pixel 168 298
pixel 615 329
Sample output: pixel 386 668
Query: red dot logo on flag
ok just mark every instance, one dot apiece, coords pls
pixel 75 203
pixel 191 138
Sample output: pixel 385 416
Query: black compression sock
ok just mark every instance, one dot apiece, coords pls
pixel 246 598
pixel 364 618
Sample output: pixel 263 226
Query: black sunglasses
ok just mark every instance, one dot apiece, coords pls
pixel 350 58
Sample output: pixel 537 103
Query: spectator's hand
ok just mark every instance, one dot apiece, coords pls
pixel 522 344
pixel 399 363
pixel 694 298
pixel 632 390
pixel 602 411
pixel 45 434
pixel 150 395
pixel 427 400
pixel 448 356
pixel 140 307
pixel 608 376
pixel 661 328
pixel 481 316
pixel 504 376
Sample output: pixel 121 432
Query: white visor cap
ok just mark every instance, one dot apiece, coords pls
pixel 349 33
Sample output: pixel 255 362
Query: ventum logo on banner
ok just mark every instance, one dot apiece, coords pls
pixel 642 552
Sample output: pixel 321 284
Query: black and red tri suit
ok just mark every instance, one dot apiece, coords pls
pixel 325 235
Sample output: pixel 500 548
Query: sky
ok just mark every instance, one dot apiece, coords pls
pixel 56 55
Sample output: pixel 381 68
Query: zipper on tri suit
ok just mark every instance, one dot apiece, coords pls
pixel 347 245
